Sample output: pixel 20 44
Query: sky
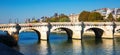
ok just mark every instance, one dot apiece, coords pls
pixel 22 9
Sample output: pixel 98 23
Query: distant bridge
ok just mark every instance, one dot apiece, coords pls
pixel 74 30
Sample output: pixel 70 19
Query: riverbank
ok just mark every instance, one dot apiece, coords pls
pixel 8 45
pixel 8 40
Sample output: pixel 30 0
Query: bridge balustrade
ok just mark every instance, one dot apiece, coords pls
pixel 7 26
pixel 66 24
pixel 98 24
pixel 76 30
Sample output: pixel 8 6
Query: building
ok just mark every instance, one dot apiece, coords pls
pixel 103 11
pixel 106 11
pixel 74 17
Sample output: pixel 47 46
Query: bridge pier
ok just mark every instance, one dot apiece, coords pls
pixel 44 36
pixel 108 34
pixel 76 35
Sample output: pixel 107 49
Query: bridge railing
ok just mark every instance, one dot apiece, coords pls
pixel 33 24
pixel 98 23
pixel 52 23
pixel 61 24
pixel 66 24
pixel 7 25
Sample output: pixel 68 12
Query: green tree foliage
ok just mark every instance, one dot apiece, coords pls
pixel 84 16
pixel 54 19
pixel 90 16
pixel 118 19
pixel 34 21
pixel 63 18
pixel 58 18
pixel 110 17
pixel 95 16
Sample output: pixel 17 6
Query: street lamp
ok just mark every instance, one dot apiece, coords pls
pixel 16 20
pixel 10 21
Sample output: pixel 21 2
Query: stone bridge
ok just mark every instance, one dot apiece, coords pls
pixel 74 30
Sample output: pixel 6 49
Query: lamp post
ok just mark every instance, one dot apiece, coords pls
pixel 10 21
pixel 114 26
pixel 16 20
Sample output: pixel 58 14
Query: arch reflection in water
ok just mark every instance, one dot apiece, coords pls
pixel 68 47
pixel 28 37
pixel 28 42
pixel 62 46
pixel 98 47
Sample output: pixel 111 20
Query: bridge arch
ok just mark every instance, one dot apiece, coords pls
pixel 117 32
pixel 117 29
pixel 68 31
pixel 37 32
pixel 97 31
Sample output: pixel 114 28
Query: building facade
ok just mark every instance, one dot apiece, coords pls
pixel 74 17
pixel 106 11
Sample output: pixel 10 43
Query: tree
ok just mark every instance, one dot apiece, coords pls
pixel 59 18
pixel 110 17
pixel 56 18
pixel 118 19
pixel 95 16
pixel 84 16
pixel 64 18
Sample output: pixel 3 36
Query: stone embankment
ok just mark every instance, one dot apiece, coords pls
pixel 7 44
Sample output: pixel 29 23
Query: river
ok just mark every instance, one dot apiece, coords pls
pixel 60 45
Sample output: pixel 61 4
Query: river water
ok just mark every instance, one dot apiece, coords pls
pixel 60 45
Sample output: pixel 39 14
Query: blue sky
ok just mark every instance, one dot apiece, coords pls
pixel 22 9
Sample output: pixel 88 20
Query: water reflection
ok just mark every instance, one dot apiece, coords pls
pixel 45 48
pixel 98 46
pixel 116 46
pixel 63 46
pixel 70 47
